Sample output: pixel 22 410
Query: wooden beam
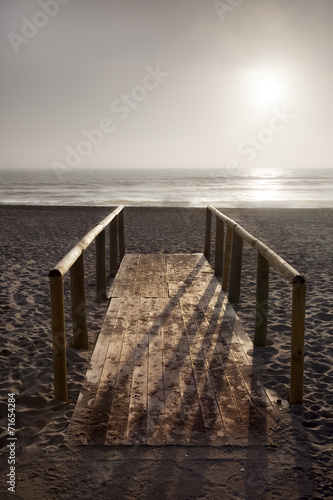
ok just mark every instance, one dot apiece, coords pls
pixel 121 235
pixel 114 247
pixel 100 267
pixel 64 265
pixel 58 338
pixel 208 234
pixel 261 301
pixel 79 305
pixel 236 268
pixel 280 264
pixel 219 245
pixel 227 258
pixel 297 342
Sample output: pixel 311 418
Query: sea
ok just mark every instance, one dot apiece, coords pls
pixel 259 187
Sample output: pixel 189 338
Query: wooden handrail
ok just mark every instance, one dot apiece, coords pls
pixel 273 258
pixel 74 261
pixel 228 260
pixel 65 264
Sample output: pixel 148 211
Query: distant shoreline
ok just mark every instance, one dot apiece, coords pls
pixel 157 207
pixel 228 188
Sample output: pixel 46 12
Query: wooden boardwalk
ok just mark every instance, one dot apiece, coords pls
pixel 172 363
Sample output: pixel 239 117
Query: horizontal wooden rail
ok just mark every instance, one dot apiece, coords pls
pixel 74 261
pixel 228 260
pixel 65 264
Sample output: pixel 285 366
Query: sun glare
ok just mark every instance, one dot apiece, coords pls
pixel 267 86
pixel 270 89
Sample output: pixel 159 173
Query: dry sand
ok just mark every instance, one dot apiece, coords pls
pixel 299 465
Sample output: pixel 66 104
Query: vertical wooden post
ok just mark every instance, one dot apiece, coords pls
pixel 261 301
pixel 219 244
pixel 227 257
pixel 100 267
pixel 236 268
pixel 297 341
pixel 114 246
pixel 79 306
pixel 208 234
pixel 58 337
pixel 121 235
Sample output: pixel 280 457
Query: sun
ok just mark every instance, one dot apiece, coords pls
pixel 268 87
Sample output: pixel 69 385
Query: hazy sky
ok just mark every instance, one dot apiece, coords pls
pixel 172 83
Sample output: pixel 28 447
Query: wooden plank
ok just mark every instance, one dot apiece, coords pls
pixel 254 386
pixel 133 273
pixel 216 354
pixel 239 350
pixel 171 370
pixel 127 274
pixel 106 388
pixel 213 423
pixel 156 263
pixel 137 421
pixel 191 409
pixel 164 279
pixel 174 351
pixel 144 275
pixel 101 348
pixel 207 346
pixel 82 422
pixel 117 425
pixel 170 269
pixel 155 404
pixel 236 367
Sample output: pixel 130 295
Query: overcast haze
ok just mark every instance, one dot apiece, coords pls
pixel 207 85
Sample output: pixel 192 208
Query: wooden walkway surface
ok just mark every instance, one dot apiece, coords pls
pixel 172 363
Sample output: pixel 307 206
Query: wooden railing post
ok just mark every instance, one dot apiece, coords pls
pixel 114 247
pixel 236 268
pixel 227 257
pixel 121 235
pixel 100 267
pixel 261 301
pixel 297 341
pixel 266 256
pixel 219 245
pixel 74 261
pixel 79 306
pixel 208 234
pixel 58 337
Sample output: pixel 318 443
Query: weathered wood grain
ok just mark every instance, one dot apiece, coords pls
pixel 172 364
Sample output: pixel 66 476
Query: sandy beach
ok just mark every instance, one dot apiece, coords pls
pixel 299 465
